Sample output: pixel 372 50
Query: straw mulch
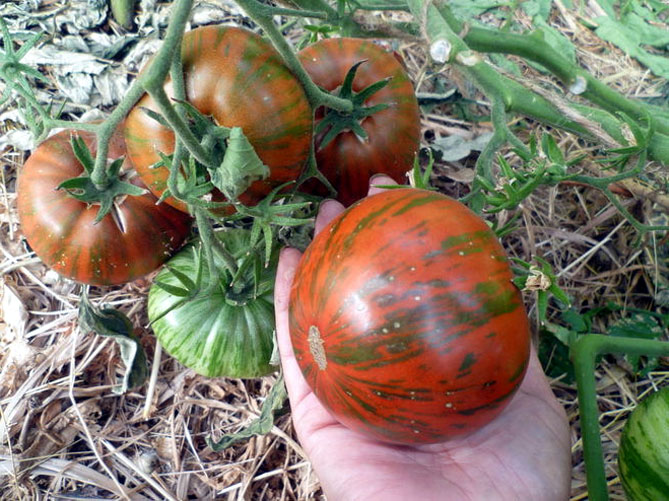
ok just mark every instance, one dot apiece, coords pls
pixel 64 434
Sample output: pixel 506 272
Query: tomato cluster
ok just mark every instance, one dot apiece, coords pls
pixel 238 80
pixel 403 315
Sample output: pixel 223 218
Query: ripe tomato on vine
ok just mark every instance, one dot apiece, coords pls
pixel 382 134
pixel 133 239
pixel 239 80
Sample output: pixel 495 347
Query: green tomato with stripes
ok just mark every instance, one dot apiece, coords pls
pixel 218 324
pixel 643 457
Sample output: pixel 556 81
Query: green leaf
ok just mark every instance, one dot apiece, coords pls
pixel 640 326
pixel 576 321
pixel 551 149
pixel 271 409
pixel 109 322
pixel 630 34
pixel 241 166
pixel 554 356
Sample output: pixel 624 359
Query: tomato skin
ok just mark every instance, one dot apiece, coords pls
pixel 208 333
pixel 404 319
pixel 60 229
pixel 240 80
pixel 393 134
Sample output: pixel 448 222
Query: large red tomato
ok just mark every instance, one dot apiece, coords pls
pixel 393 139
pixel 237 78
pixel 129 242
pixel 404 319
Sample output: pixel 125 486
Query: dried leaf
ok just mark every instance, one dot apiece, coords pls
pixel 112 323
pixel 13 313
pixel 455 147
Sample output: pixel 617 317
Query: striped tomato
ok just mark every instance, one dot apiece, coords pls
pixel 239 80
pixel 643 457
pixel 135 238
pixel 222 331
pixel 393 134
pixel 404 319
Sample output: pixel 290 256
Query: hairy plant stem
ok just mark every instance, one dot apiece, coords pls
pixel 584 350
pixel 152 81
pixel 212 245
pixel 315 95
pixel 533 47
pixel 180 127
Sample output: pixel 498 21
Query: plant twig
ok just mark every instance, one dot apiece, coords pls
pixel 315 95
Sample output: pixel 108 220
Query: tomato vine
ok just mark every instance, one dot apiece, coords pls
pixel 629 128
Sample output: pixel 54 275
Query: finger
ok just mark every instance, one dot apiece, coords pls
pixel 328 210
pixel 295 384
pixel 380 180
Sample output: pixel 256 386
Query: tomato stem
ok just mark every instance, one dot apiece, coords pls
pixel 315 95
pixel 152 79
pixel 438 23
pixel 211 245
pixel 180 127
pixel 584 350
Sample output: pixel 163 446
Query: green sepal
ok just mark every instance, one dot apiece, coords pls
pixel 109 322
pixel 190 288
pixel 83 154
pixel 335 122
pixel 155 116
pixel 83 189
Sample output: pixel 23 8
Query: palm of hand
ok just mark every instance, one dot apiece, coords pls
pixel 523 454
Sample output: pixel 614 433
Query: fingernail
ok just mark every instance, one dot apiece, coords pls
pixel 377 179
pixel 326 203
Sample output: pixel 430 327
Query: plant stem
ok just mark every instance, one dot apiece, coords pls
pixel 315 5
pixel 180 127
pixel 583 353
pixel 533 47
pixel 211 244
pixel 172 179
pixel 439 24
pixel 315 95
pixel 151 80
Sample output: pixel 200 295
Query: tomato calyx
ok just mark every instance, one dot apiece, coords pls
pixel 335 122
pixel 266 214
pixel 234 164
pixel 82 188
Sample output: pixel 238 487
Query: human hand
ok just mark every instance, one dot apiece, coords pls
pixel 523 454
